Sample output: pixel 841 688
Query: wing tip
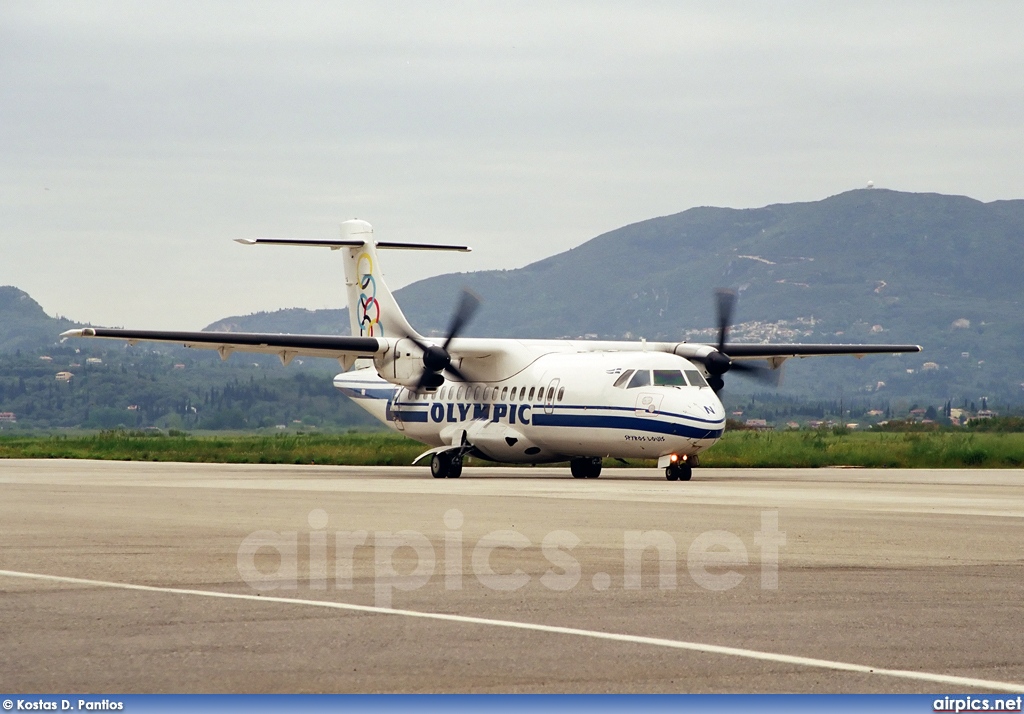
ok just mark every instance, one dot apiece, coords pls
pixel 81 332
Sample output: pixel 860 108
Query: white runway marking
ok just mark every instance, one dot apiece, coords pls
pixel 945 679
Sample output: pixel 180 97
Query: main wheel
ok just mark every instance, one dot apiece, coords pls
pixel 670 473
pixel 455 466
pixel 586 467
pixel 440 466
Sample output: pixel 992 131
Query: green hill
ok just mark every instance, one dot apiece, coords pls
pixel 293 320
pixel 864 256
pixel 23 323
pixel 869 265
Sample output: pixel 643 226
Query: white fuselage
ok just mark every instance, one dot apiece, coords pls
pixel 556 405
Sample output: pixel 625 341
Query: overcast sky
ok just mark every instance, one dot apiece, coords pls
pixel 138 139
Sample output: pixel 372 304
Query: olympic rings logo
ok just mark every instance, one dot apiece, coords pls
pixel 369 308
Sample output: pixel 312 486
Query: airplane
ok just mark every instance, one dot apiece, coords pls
pixel 518 401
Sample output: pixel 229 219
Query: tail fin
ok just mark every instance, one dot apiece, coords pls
pixel 372 310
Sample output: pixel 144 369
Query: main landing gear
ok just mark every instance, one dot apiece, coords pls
pixel 586 468
pixel 447 464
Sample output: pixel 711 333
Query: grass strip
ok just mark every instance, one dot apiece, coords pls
pixel 746 449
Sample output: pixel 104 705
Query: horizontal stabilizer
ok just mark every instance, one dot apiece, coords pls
pixel 335 244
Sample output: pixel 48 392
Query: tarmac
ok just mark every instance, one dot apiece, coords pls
pixel 152 577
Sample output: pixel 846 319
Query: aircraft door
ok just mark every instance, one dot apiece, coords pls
pixel 394 412
pixel 549 396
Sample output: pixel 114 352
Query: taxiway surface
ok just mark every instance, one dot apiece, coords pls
pixel 882 570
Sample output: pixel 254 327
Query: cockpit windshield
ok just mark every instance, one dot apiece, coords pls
pixel 642 378
pixel 631 379
pixel 668 378
pixel 695 377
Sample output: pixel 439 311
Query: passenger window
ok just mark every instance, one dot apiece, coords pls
pixel 642 378
pixel 504 393
pixel 623 378
pixel 476 394
pixel 551 393
pixel 668 378
pixel 494 394
pixel 532 390
pixel 695 377
pixel 512 396
pixel 459 394
pixel 561 393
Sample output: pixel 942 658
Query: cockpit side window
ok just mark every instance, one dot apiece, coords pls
pixel 621 381
pixel 695 377
pixel 668 378
pixel 642 378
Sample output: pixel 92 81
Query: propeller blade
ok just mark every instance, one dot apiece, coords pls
pixel 758 372
pixel 718 363
pixel 437 359
pixel 428 380
pixel 456 373
pixel 469 302
pixel 725 303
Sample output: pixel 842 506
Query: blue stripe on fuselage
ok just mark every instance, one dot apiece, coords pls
pixel 633 409
pixel 598 421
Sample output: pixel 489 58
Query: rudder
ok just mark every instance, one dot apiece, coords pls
pixel 373 310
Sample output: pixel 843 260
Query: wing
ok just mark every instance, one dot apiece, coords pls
pixel 344 349
pixel 742 351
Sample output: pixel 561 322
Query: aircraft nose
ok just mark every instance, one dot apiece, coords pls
pixel 702 404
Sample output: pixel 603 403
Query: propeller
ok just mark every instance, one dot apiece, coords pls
pixel 437 359
pixel 718 362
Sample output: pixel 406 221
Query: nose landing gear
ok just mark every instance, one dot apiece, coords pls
pixel 679 472
pixel 678 468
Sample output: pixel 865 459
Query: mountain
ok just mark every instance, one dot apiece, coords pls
pixel 295 320
pixel 24 324
pixel 868 265
pixel 862 256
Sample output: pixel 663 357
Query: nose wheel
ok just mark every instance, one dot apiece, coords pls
pixel 679 472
